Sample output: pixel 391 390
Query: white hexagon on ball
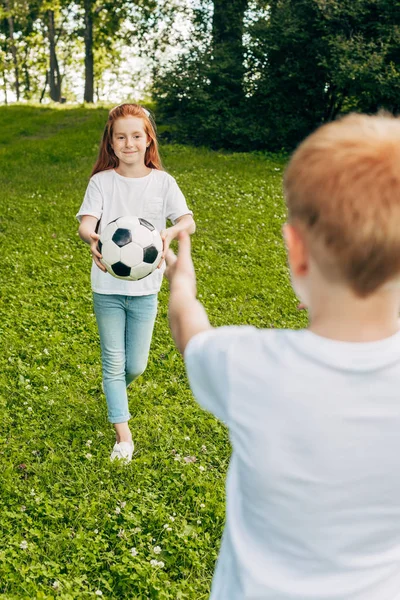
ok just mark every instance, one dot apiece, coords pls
pixel 111 252
pixel 143 236
pixel 141 270
pixel 156 240
pixel 131 254
pixel 128 223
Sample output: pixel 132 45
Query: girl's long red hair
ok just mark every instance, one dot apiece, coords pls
pixel 107 159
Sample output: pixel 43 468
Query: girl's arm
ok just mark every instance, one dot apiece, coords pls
pixel 87 232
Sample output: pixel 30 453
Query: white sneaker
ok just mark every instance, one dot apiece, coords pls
pixel 122 451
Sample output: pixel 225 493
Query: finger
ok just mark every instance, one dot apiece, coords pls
pixel 94 236
pixel 170 258
pixel 95 252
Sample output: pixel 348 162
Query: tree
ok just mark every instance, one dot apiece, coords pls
pixel 201 94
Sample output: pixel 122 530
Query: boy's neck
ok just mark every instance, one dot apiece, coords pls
pixel 339 315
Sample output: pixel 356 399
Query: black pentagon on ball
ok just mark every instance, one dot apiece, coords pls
pixel 122 237
pixel 150 254
pixel 120 269
pixel 146 224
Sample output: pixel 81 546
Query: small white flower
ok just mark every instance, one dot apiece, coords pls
pixel 201 468
pixel 45 387
pixel 117 510
pixel 190 459
pixel 88 455
pixel 204 448
pixel 139 490
pixel 160 564
pixel 89 443
pixel 123 504
pixel 45 351
pixel 134 552
pixel 121 533
pixel 187 438
pixel 23 508
pixel 202 505
pixel 172 518
pixel 154 562
pixel 51 402
pixel 137 530
pixel 168 529
pixel 98 593
pixel 23 545
pixel 55 585
pixel 156 549
pixel 32 492
pixel 166 526
pixel 198 521
pixel 96 531
pixel 29 409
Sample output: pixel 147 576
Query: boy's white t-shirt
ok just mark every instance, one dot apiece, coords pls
pixel 155 197
pixel 313 488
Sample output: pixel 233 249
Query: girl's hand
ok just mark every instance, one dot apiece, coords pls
pixel 95 251
pixel 167 237
pixel 180 270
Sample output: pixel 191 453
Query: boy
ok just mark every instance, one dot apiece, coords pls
pixel 313 489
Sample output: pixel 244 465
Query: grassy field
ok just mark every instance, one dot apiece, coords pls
pixel 73 525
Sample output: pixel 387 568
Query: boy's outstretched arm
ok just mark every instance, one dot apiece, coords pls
pixel 187 316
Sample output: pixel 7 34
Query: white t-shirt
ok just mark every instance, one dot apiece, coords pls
pixel 155 197
pixel 313 488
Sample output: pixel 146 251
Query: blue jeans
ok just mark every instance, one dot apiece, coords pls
pixel 125 326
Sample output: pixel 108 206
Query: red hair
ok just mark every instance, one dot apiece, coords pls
pixel 107 159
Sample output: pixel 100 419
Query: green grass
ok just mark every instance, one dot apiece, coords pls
pixel 78 515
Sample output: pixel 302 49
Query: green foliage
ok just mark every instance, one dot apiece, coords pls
pixel 69 517
pixel 305 62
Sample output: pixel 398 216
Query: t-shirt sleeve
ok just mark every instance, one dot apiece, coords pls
pixel 92 204
pixel 207 365
pixel 176 202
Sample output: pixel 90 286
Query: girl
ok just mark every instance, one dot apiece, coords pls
pixel 128 179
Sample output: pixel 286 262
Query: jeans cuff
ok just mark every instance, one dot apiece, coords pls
pixel 120 419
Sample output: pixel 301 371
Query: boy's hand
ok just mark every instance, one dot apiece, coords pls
pixel 95 251
pixel 167 237
pixel 180 270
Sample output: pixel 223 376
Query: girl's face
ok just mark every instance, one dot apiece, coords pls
pixel 129 140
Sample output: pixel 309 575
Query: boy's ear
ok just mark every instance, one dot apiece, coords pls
pixel 298 255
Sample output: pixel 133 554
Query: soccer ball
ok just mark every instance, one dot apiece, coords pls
pixel 131 248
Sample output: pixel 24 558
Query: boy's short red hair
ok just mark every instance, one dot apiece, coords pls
pixel 342 188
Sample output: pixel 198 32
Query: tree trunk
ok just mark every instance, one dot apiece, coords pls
pixel 10 20
pixel 54 71
pixel 89 66
pixel 44 87
pixel 5 86
pixel 27 76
